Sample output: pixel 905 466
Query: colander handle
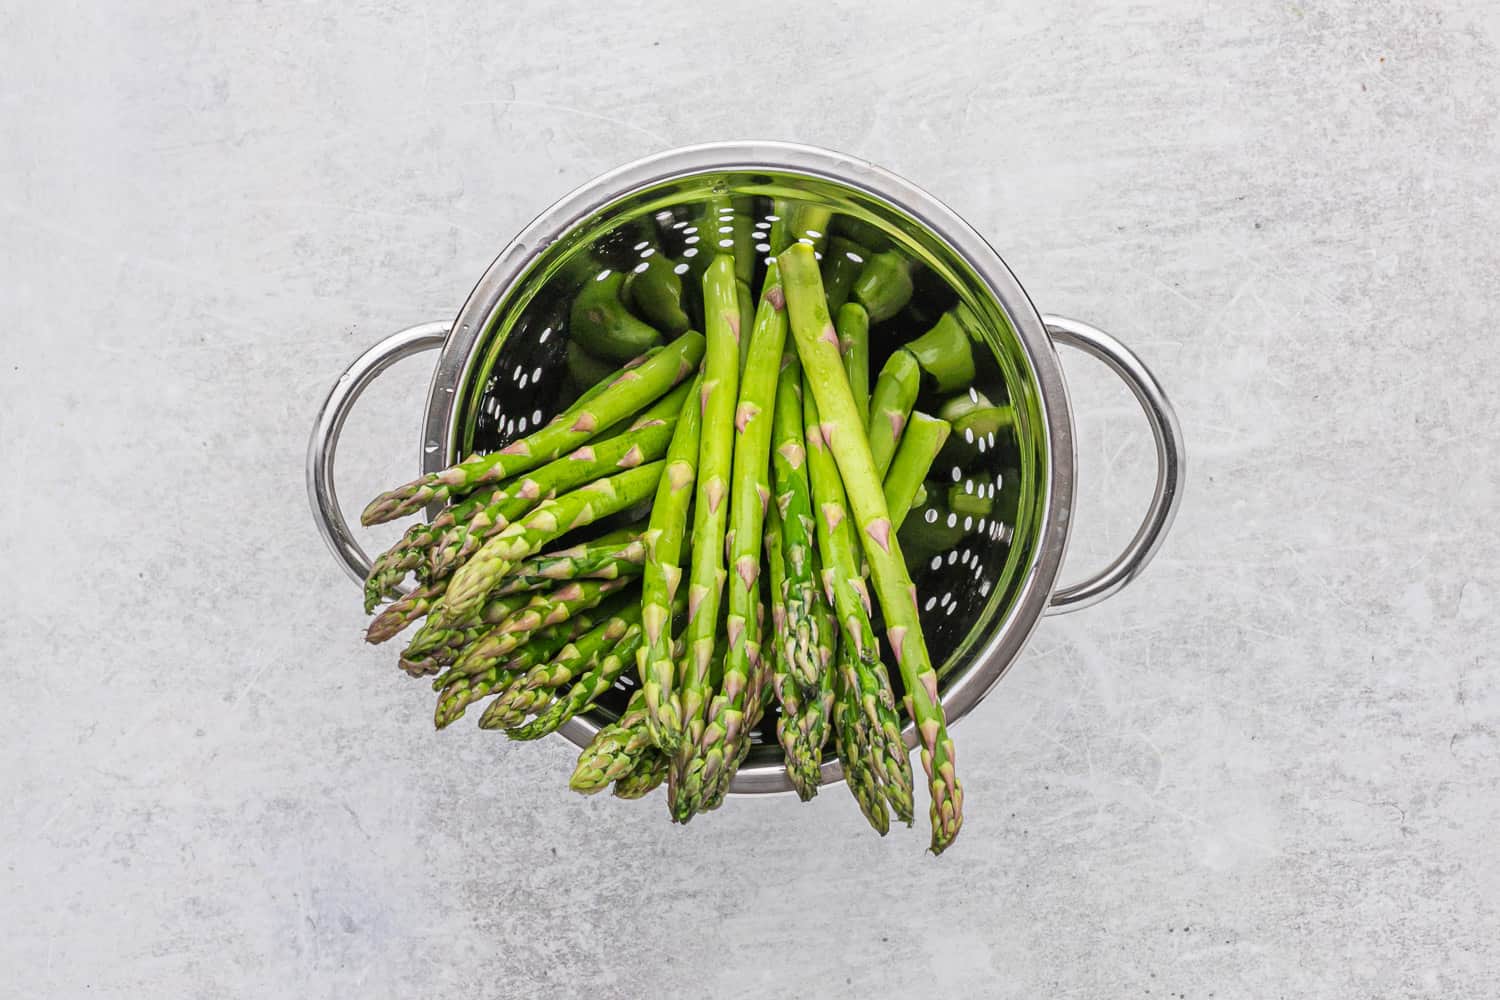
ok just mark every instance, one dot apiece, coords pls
pixel 323 445
pixel 1169 461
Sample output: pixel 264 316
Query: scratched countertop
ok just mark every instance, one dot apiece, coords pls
pixel 1270 768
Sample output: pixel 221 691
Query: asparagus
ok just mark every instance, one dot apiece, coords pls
pixel 798 730
pixel 457 691
pixel 526 537
pixel 390 622
pixel 718 393
pixel 663 541
pixel 601 676
pixel 853 327
pixel 799 641
pixel 746 302
pixel 413 551
pixel 601 324
pixel 555 607
pixel 535 687
pixel 628 393
pixel 849 727
pixel 750 494
pixel 615 751
pixel 431 638
pixel 879 738
pixel 609 560
pixel 919 447
pixel 655 290
pixel 944 353
pixel 884 285
pixel 817 343
pixel 842 263
pixel 644 441
pixel 650 771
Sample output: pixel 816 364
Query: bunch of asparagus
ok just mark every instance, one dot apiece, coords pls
pixel 652 525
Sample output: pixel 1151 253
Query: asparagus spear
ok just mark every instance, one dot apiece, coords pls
pixel 602 325
pixel 434 647
pixel 592 685
pixel 919 447
pixel 390 622
pixel 879 738
pixel 799 640
pixel 615 751
pixel 944 353
pixel 718 393
pixel 849 727
pixel 590 561
pixel 817 343
pixel 535 687
pixel 413 551
pixel 555 607
pixel 866 234
pixel 663 541
pixel 527 536
pixel 884 285
pixel 650 771
pixel 746 302
pixel 457 691
pixel 749 495
pixel 627 394
pixel 644 441
pixel 841 265
pixel 853 327
pixel 798 729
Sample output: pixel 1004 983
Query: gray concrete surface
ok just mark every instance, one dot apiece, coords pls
pixel 1267 770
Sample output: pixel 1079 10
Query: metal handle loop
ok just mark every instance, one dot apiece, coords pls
pixel 330 423
pixel 1169 464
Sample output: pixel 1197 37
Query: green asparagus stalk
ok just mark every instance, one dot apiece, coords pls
pixel 849 727
pixel 615 751
pixel 645 440
pixel 431 638
pixel 853 327
pixel 817 343
pixel 526 537
pixel 884 285
pixel 535 687
pixel 610 560
pixel 663 540
pixel 919 448
pixel 655 290
pixel 457 690
pixel 944 353
pixel 394 619
pixel 601 324
pixel 842 263
pixel 628 393
pixel 650 771
pixel 413 551
pixel 718 394
pixel 750 493
pixel 879 737
pixel 799 729
pixel 799 641
pixel 746 301
pixel 592 685
pixel 557 606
